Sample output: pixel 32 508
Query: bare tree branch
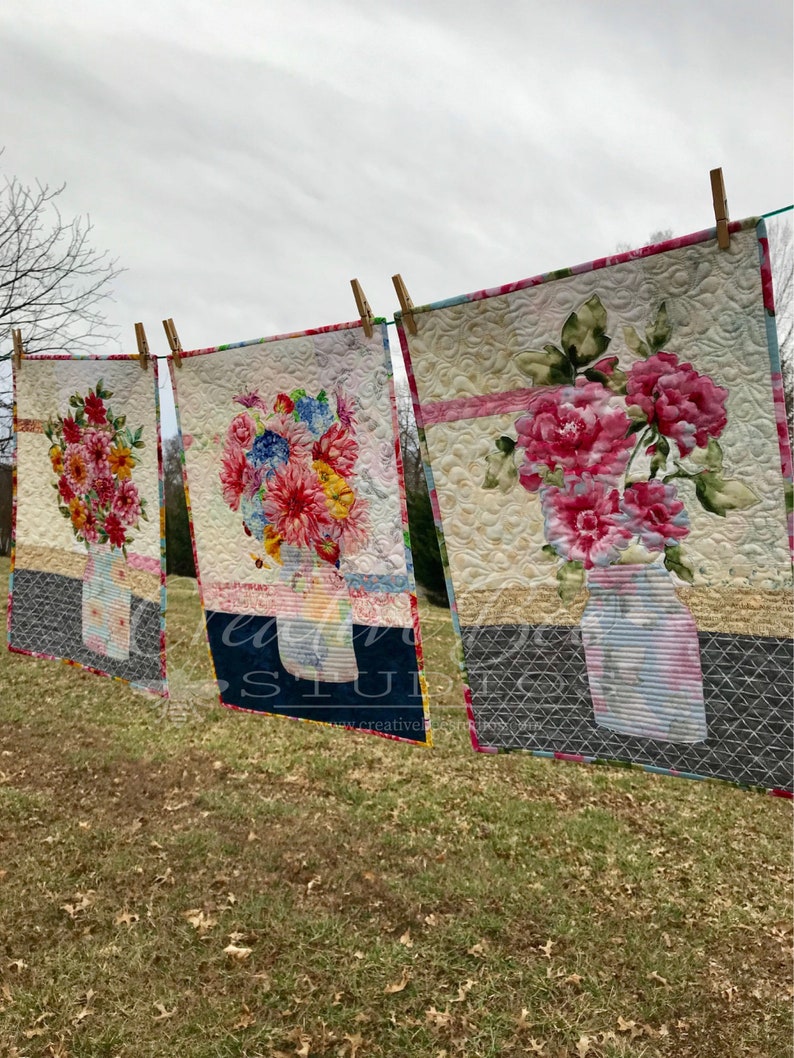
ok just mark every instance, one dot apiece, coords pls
pixel 52 283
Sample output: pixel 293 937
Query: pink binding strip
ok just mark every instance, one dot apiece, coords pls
pixel 512 400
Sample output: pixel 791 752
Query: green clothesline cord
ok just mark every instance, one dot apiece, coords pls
pixel 393 323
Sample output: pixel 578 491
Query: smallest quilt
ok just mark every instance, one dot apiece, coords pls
pixel 88 561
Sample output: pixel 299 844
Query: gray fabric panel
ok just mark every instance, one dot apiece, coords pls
pixel 530 691
pixel 47 619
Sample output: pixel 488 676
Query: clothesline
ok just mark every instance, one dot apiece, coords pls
pixel 393 322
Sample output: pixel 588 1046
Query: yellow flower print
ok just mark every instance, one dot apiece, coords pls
pixel 121 461
pixel 79 512
pixel 339 497
pixel 273 543
pixel 56 458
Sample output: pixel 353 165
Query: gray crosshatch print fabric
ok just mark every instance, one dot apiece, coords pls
pixel 47 620
pixel 530 685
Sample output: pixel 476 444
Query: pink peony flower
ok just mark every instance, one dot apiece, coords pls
pixel 234 475
pixel 583 521
pixel 115 530
pixel 572 428
pixel 104 488
pixel 295 505
pixel 683 404
pixel 653 511
pixel 71 431
pixel 242 430
pixel 97 447
pixel 126 503
pixel 95 410
pixel 77 468
pixel 90 530
pixel 337 448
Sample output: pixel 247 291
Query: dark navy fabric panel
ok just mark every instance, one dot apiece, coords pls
pixel 385 698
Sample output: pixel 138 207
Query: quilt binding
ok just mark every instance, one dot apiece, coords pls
pixel 404 514
pixel 784 442
pixel 161 692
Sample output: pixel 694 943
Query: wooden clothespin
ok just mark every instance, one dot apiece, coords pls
pixel 364 311
pixel 143 346
pixel 19 349
pixel 173 341
pixel 720 208
pixel 406 304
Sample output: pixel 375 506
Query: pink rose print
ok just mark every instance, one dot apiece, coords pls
pixel 575 429
pixel 242 430
pixel 684 405
pixel 653 511
pixel 583 521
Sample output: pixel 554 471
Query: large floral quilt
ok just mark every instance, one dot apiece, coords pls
pixel 295 485
pixel 610 468
pixel 88 559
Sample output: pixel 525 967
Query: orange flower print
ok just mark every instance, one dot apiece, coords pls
pixel 79 512
pixel 121 461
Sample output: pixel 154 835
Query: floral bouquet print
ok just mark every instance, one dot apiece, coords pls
pixel 604 447
pixel 93 452
pixel 289 468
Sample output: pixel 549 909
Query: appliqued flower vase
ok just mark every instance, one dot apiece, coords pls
pixel 315 619
pixel 106 603
pixel 643 656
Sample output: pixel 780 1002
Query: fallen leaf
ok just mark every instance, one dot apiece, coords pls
pixel 583 1046
pixel 654 976
pixel 246 1019
pixel 355 1042
pixel 477 950
pixel 163 1014
pixel 536 1046
pixel 438 1019
pixel 406 939
pixel 464 990
pixel 398 986
pixel 17 964
pixel 573 979
pixel 431 920
pixel 546 948
pixel 240 954
pixel 313 884
pixel 124 918
pixel 199 920
pixel 358 954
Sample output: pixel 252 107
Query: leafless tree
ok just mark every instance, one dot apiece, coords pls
pixel 52 283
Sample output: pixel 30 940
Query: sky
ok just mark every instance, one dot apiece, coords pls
pixel 245 160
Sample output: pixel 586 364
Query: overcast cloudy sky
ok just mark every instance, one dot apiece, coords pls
pixel 244 160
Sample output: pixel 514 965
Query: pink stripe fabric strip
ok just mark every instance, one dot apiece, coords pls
pixel 508 402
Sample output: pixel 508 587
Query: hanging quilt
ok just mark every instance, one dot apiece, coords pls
pixel 297 505
pixel 88 560
pixel 608 459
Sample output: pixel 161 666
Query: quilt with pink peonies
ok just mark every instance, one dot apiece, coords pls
pixel 610 469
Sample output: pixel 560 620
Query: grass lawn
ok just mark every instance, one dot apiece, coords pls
pixel 178 879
